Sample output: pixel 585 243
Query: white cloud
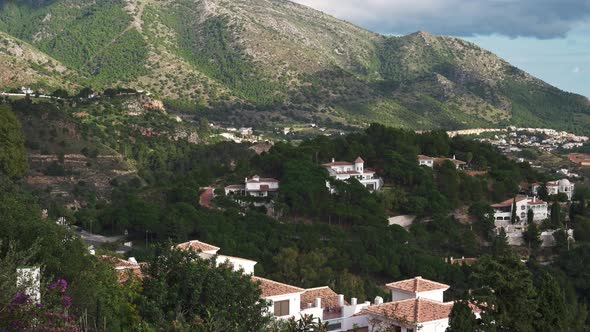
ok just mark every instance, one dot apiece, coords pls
pixel 577 70
pixel 513 18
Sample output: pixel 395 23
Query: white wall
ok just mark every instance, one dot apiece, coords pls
pixel 294 304
pixel 398 295
pixel 435 295
pixel 434 326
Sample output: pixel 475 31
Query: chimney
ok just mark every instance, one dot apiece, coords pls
pixel 132 260
pixel 333 160
pixel 309 305
pixel 453 157
pixel 378 300
pixel 340 300
pixel 353 301
pixel 317 302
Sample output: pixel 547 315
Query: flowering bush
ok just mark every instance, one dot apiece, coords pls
pixel 26 314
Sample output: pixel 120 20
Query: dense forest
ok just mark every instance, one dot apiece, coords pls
pixel 340 240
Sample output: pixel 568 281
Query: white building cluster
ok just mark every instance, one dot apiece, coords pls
pixel 417 304
pixel 256 186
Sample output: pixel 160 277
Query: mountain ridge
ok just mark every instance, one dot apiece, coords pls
pixel 274 61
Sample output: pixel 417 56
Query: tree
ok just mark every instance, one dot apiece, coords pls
pixel 485 218
pixel 505 286
pixel 513 217
pixel 13 158
pixel 556 220
pixel 531 236
pixel 552 309
pixel 500 243
pixel 543 193
pixel 182 289
pixel 306 323
pixel 462 318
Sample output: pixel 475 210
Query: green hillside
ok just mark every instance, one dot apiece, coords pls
pixel 273 61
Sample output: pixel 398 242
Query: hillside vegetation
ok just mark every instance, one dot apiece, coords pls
pixel 273 61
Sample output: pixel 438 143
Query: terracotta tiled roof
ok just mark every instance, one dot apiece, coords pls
pixel 536 201
pixel 417 285
pixel 418 310
pixel 328 296
pixel 423 157
pixel 262 180
pixel 338 163
pixel 196 246
pixel 126 274
pixel 274 288
pixel 509 202
pixel 235 186
pixel 359 160
pixel 454 161
pixel 124 268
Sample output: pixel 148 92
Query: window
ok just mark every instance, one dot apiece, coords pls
pixel 409 330
pixel 522 207
pixel 281 308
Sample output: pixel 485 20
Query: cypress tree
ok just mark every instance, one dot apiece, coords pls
pixel 514 217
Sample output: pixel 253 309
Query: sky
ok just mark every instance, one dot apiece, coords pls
pixel 550 39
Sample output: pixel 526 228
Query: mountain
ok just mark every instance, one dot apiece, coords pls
pixel 274 62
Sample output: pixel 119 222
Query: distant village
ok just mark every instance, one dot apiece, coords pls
pixel 513 139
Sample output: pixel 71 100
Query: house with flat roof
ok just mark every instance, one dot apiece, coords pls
pixel 432 161
pixel 256 186
pixel 343 170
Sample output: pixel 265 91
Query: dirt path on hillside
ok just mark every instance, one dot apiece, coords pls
pixel 137 23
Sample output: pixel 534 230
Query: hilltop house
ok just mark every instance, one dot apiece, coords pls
pixel 343 170
pixel 417 303
pixel 556 187
pixel 256 186
pixel 431 161
pixel 503 210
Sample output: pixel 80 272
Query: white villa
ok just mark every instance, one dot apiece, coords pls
pixel 256 186
pixel 556 187
pixel 417 303
pixel 207 251
pixel 343 170
pixel 431 161
pixel 503 210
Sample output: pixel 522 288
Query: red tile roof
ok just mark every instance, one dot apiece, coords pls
pixel 359 160
pixel 412 310
pixel 508 202
pixel 328 296
pixel 206 198
pixel 273 288
pixel 417 285
pixel 423 157
pixel 235 186
pixel 262 180
pixel 196 246
pixel 338 163
pixel 123 268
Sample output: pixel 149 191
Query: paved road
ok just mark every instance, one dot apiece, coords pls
pixel 97 239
